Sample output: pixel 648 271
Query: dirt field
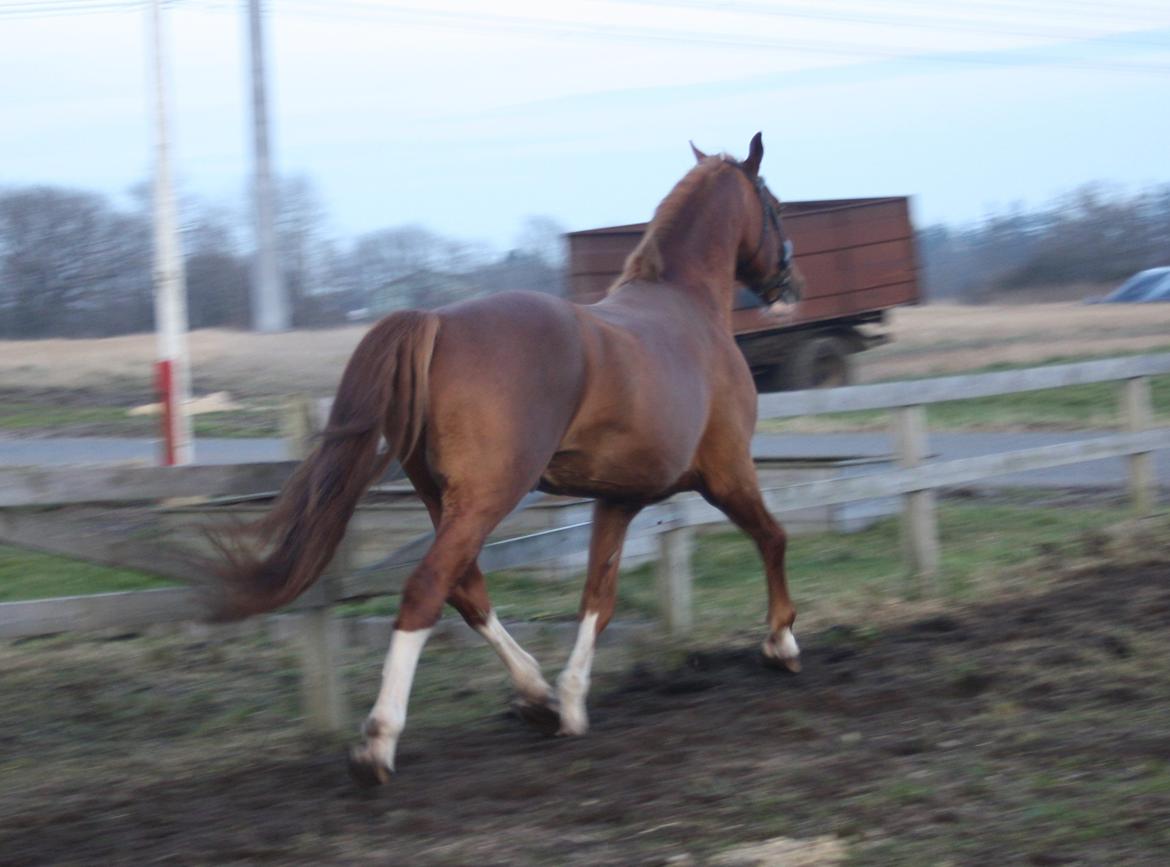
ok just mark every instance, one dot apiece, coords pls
pixel 1030 731
pixel 932 339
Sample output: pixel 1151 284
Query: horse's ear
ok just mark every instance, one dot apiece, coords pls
pixel 755 156
pixel 699 155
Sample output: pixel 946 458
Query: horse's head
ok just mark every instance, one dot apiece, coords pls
pixel 764 264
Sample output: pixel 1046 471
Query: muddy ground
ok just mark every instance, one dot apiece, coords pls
pixel 1032 731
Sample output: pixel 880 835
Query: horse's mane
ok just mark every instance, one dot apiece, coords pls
pixel 645 262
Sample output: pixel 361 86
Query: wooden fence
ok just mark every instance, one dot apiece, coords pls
pixel 54 510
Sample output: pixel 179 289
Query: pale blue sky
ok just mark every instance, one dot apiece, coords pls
pixel 466 120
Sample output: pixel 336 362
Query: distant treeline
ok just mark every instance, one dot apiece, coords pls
pixel 1092 235
pixel 75 264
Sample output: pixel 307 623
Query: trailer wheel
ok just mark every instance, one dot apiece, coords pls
pixel 819 362
pixel 769 379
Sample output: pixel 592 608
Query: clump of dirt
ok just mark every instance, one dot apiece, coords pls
pixel 1024 730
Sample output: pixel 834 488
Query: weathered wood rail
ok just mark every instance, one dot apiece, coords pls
pixel 53 510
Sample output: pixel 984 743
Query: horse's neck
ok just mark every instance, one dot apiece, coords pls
pixel 699 248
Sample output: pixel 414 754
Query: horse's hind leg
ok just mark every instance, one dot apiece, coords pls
pixel 457 543
pixel 534 695
pixel 737 495
pixel 610 522
pixel 470 598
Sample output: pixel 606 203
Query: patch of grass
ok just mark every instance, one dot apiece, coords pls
pixel 26 418
pixel 35 416
pixel 831 575
pixel 258 422
pixel 30 575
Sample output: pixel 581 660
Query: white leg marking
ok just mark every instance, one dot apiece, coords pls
pixel 524 670
pixel 573 683
pixel 783 647
pixel 388 716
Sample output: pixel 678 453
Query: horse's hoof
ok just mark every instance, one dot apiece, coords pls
pixel 538 715
pixel 792 664
pixel 782 651
pixel 365 770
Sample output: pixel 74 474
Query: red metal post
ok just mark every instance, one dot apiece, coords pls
pixel 165 385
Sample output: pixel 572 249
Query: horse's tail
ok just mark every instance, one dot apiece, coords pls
pixel 383 392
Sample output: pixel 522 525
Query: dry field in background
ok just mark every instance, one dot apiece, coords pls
pixel 927 340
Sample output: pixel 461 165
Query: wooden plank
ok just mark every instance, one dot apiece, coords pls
pixel 823 231
pixel 675 581
pixel 847 271
pixel 301 423
pixel 1137 409
pixel 322 687
pixel 321 633
pixel 889 395
pixel 104 483
pixel 920 546
pixel 130 610
pixel 831 306
pixel 121 538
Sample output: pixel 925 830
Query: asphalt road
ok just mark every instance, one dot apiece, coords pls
pixel 1096 474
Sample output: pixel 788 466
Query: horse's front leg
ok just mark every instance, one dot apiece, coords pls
pixel 737 495
pixel 610 522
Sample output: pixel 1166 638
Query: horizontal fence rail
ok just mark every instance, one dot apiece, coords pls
pixel 133 609
pixel 53 486
pixel 891 395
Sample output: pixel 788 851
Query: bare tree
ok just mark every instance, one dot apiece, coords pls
pixel 70 264
pixel 218 271
pixel 544 238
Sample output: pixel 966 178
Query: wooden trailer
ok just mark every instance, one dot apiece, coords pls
pixel 858 260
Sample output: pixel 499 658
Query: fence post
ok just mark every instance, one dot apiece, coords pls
pixel 301 423
pixel 672 573
pixel 1137 408
pixel 920 546
pixel 322 690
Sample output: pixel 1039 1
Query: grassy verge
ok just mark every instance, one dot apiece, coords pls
pixel 30 575
pixel 38 418
pixel 831 575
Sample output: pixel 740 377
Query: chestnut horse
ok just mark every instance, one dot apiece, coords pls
pixel 628 401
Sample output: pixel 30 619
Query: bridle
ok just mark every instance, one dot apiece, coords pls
pixel 779 285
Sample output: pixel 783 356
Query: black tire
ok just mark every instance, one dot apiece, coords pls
pixel 769 379
pixel 819 362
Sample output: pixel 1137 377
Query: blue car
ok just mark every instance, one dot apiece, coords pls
pixel 1149 285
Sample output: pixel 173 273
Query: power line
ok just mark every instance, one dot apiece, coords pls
pixel 527 25
pixel 51 8
pixel 823 13
pixel 59 8
pixel 448 19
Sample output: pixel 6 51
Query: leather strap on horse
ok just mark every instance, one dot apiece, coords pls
pixel 772 288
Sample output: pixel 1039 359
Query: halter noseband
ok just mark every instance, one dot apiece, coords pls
pixel 779 284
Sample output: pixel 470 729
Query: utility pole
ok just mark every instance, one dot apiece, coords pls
pixel 173 377
pixel 269 302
